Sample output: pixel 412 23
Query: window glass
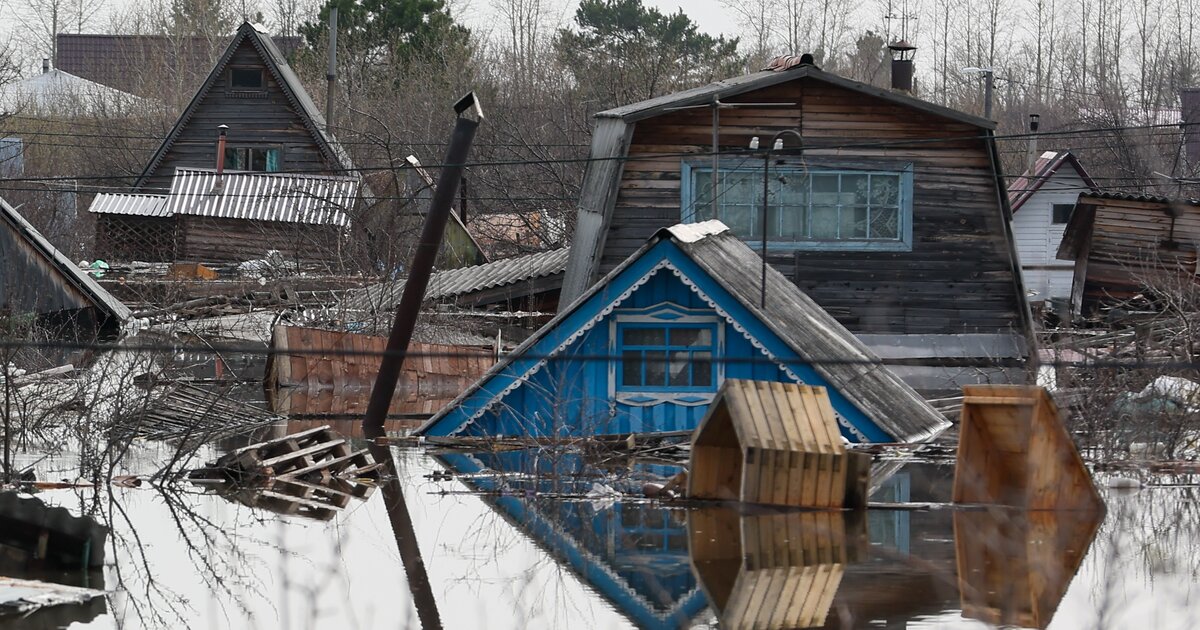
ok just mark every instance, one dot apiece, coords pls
pixel 253 159
pixel 1062 213
pixel 812 209
pixel 663 357
pixel 246 78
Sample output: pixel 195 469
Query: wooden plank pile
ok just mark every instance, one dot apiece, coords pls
pixel 190 412
pixel 318 454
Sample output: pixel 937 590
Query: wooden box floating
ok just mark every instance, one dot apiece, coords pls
pixel 772 443
pixel 1014 451
pixel 768 571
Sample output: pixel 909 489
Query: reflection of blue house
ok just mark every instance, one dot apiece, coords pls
pixel 634 554
pixel 647 347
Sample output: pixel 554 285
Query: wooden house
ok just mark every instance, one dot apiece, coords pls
pixel 1129 245
pixel 647 348
pixel 38 281
pixel 1042 199
pixel 216 217
pixel 888 211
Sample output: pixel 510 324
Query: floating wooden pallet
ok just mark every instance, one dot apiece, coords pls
pixel 293 497
pixel 318 454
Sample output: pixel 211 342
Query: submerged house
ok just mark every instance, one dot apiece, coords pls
pixel 38 281
pixel 647 348
pixel 1128 245
pixel 888 211
pixel 1042 199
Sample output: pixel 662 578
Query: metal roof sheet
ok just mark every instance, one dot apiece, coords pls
pixel 133 204
pixel 314 199
pixel 455 282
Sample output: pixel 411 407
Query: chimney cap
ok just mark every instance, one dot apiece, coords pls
pixel 901 46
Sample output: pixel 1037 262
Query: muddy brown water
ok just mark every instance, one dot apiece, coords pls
pixel 507 542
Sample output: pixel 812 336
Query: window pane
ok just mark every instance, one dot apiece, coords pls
pixel 680 375
pixel 885 190
pixel 258 159
pixel 824 222
pixel 644 337
pixel 691 337
pixel 854 190
pixel 235 158
pixel 702 194
pixel 854 222
pixel 631 368
pixel 702 369
pixel 273 160
pixel 740 219
pixel 656 368
pixel 246 78
pixel 885 223
pixel 825 189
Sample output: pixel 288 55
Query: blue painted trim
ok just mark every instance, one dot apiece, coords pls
pixel 541 529
pixel 688 213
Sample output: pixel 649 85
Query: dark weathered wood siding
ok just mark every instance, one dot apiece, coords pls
pixel 959 276
pixel 1131 246
pixel 217 240
pixel 121 237
pixel 265 119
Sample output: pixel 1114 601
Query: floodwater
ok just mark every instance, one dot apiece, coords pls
pixel 512 541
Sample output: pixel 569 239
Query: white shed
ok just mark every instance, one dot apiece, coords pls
pixel 1042 199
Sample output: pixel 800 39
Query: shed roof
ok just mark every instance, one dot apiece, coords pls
pixel 131 204
pixel 276 64
pixel 1079 226
pixel 68 271
pixel 464 280
pixel 290 198
pixel 810 332
pixel 1043 169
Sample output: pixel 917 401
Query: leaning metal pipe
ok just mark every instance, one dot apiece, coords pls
pixel 418 277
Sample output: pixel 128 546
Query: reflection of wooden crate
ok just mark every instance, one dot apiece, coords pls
pixel 1013 450
pixel 770 443
pixel 1014 567
pixel 773 570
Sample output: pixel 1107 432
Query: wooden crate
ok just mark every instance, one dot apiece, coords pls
pixel 769 443
pixel 1013 450
pixel 773 570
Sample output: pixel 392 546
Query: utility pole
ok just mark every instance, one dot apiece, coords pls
pixel 1034 124
pixel 989 80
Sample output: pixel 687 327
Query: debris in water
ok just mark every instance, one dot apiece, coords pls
pixel 25 596
pixel 316 454
pixel 38 533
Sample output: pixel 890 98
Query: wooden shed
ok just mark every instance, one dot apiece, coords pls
pixel 1124 245
pixel 890 212
pixel 769 443
pixel 38 280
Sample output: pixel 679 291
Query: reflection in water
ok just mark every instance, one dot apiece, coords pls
pixel 633 554
pixel 773 570
pixel 1014 567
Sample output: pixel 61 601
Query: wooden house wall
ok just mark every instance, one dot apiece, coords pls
pixel 572 396
pixel 218 240
pixel 121 237
pixel 1127 247
pixel 1038 238
pixel 30 283
pixel 958 278
pixel 262 120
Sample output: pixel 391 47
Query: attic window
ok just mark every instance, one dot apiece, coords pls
pixel 659 357
pixel 261 159
pixel 811 208
pixel 246 79
pixel 1061 213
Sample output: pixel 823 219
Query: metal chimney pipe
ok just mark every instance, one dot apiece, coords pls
pixel 331 73
pixel 45 65
pixel 221 149
pixel 1034 123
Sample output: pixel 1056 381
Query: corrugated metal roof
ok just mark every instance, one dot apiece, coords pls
pixel 1045 167
pixel 123 203
pixel 1129 196
pixel 315 199
pixel 455 282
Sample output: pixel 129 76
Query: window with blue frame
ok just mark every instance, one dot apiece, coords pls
pixel 807 208
pixel 666 357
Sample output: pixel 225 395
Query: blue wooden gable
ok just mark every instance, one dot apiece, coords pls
pixel 634 554
pixel 586 372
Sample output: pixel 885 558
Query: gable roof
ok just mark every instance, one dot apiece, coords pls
pixel 283 74
pixel 728 88
pixel 1043 169
pixel 804 327
pixel 72 278
pixel 58 93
